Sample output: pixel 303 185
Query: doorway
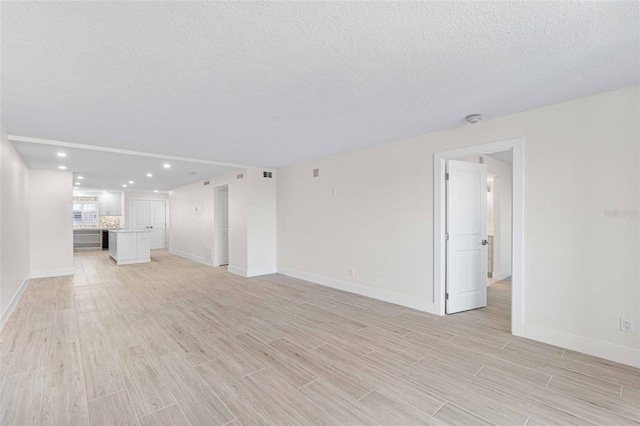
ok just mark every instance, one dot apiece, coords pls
pixel 151 215
pixel 442 270
pixel 221 225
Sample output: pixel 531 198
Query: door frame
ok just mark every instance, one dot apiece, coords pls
pixel 166 215
pixel 517 217
pixel 217 234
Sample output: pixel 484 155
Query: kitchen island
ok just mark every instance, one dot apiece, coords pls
pixel 127 246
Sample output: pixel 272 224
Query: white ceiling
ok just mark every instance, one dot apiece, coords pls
pixel 109 171
pixel 275 83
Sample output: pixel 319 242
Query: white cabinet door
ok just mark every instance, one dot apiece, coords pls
pixel 110 205
pixel 143 245
pixel 467 243
pixel 115 207
pixel 127 248
pixel 113 245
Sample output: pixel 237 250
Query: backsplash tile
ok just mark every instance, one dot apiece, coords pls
pixel 109 222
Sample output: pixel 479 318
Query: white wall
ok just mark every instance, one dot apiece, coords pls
pixel 581 266
pixel 261 223
pixel 490 203
pixel 51 223
pixel 14 226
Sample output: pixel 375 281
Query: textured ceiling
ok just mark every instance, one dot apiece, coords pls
pixel 274 83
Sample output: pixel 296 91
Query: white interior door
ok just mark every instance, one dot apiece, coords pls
pixel 466 274
pixel 139 215
pixel 158 223
pixel 151 215
pixel 223 200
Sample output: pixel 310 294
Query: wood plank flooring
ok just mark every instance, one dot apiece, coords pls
pixel 175 342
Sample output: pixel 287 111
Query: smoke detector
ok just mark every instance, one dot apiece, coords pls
pixel 473 118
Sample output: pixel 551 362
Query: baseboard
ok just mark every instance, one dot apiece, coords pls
pixel 374 293
pixel 238 271
pixel 199 259
pixel 259 272
pixel 14 301
pixel 500 276
pixel 599 348
pixel 47 273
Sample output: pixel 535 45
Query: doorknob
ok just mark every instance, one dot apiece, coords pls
pixel 485 242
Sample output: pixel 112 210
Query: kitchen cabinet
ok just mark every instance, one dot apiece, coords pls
pixel 127 246
pixel 110 205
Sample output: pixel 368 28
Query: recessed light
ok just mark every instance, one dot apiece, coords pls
pixel 166 166
pixel 77 183
pixel 149 175
pixel 62 154
pixel 80 177
pixel 155 190
pixel 62 167
pixel 130 181
pixel 124 186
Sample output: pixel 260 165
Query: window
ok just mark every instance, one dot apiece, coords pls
pixel 85 213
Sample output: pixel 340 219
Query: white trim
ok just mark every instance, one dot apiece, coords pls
pixel 199 259
pixel 259 272
pixel 599 348
pixel 517 275
pixel 47 273
pixel 14 301
pixel 238 271
pixel 118 151
pixel 374 293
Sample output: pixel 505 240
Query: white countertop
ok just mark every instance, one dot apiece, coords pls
pixel 129 230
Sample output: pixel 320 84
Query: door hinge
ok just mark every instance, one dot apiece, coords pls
pixel 446 296
pixel 446 236
pixel 446 176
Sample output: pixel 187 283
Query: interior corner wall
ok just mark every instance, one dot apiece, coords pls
pixel 14 226
pixel 191 228
pixel 51 223
pixel 370 212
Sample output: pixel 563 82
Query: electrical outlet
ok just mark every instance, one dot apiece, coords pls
pixel 352 272
pixel 626 325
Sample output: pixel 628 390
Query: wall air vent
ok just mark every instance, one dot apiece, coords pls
pixel 316 172
pixel 240 176
pixel 267 175
pixel 206 182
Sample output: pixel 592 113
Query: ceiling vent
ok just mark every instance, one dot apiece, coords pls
pixel 473 118
pixel 206 182
pixel 267 175
pixel 316 172
pixel 240 176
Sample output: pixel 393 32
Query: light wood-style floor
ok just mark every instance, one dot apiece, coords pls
pixel 174 342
